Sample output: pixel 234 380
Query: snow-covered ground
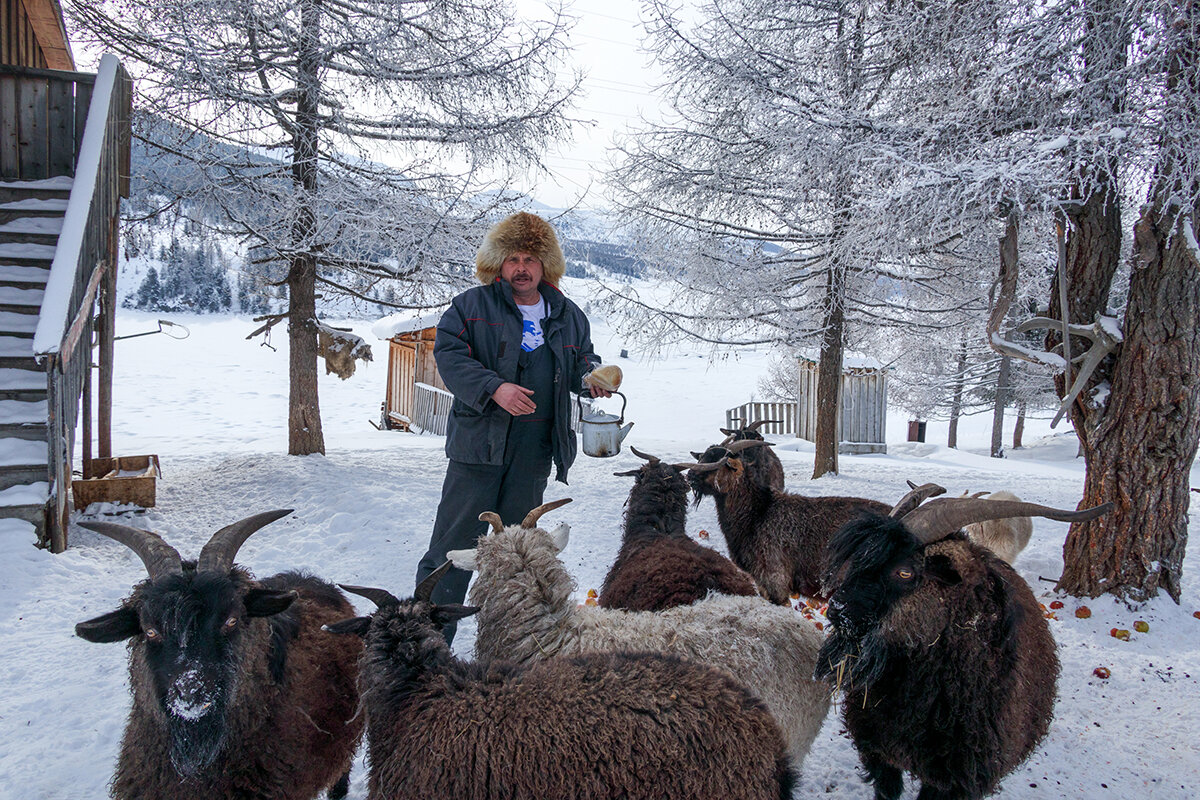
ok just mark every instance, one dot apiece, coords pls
pixel 214 407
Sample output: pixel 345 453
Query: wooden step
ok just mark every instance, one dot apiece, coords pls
pixel 23 522
pixel 23 277
pixel 14 324
pixel 23 385
pixel 22 461
pixel 47 189
pixel 25 501
pixel 21 301
pixel 33 207
pixel 31 230
pixel 25 254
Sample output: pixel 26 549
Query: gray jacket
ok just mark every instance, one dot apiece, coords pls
pixel 477 347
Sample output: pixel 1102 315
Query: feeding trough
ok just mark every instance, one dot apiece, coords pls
pixel 125 479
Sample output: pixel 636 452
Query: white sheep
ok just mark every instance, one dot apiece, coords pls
pixel 528 613
pixel 1004 537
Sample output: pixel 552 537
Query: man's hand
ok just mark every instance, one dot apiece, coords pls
pixel 514 399
pixel 598 392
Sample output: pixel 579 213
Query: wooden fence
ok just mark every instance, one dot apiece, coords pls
pixel 753 412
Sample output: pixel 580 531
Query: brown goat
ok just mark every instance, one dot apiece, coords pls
pixel 658 565
pixel 236 691
pixel 778 537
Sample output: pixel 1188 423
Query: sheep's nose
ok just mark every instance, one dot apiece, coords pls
pixel 190 697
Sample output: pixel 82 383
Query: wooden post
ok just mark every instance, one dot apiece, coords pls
pixel 106 329
pixel 85 413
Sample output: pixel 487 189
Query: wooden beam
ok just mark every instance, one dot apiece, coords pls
pixel 45 17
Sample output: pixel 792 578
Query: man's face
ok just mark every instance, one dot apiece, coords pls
pixel 523 271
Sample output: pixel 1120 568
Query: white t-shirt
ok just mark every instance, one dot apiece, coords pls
pixel 532 338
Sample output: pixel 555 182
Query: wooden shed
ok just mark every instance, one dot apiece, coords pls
pixel 862 409
pixel 416 397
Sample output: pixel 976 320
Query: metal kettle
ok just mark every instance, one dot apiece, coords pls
pixel 602 433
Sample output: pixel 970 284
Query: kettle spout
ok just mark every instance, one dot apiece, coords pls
pixel 625 431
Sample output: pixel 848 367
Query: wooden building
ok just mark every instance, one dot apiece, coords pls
pixel 64 167
pixel 862 407
pixel 416 397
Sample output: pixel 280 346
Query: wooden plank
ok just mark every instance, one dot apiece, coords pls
pixel 61 119
pixel 10 167
pixel 83 101
pixel 33 129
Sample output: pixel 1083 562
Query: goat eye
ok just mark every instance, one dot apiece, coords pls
pixel 904 574
pixel 151 634
pixel 230 624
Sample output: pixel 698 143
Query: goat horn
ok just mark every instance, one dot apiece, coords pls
pixel 158 556
pixel 699 456
pixel 753 426
pixel 493 518
pixel 724 442
pixel 424 590
pixel 533 516
pixel 380 597
pixel 745 444
pixel 918 495
pixel 708 466
pixel 937 519
pixel 682 467
pixel 218 554
pixel 647 456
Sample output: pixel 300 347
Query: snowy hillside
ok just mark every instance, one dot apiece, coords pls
pixel 213 407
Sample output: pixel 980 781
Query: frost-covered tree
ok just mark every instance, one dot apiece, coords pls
pixel 758 197
pixel 342 140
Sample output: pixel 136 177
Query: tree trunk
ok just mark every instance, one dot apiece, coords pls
pixel 1143 441
pixel 1019 426
pixel 829 376
pixel 304 409
pixel 960 379
pixel 1001 402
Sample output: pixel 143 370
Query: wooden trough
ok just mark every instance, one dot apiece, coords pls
pixel 125 479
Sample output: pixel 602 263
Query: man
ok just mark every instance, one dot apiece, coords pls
pixel 511 351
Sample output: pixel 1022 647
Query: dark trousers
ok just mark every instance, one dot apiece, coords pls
pixel 511 490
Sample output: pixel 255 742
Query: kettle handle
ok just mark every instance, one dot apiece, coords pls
pixel 579 402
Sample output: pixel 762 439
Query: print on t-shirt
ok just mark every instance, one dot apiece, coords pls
pixel 532 337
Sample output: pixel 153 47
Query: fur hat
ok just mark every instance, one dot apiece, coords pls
pixel 520 232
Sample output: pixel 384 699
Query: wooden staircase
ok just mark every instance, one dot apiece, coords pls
pixel 31 217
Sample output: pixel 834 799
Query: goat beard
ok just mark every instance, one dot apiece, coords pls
pixel 196 743
pixel 851 663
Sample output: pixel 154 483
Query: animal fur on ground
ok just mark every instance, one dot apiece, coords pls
pixel 236 691
pixel 659 566
pixel 776 536
pixel 635 726
pixel 946 662
pixel 528 613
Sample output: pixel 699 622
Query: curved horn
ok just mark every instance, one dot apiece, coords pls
pixel 494 519
pixel 724 442
pixel 222 548
pixel 533 516
pixel 380 597
pixel 937 519
pixel 754 426
pixel 709 466
pixel 647 456
pixel 158 556
pixel 745 444
pixel 424 590
pixel 918 495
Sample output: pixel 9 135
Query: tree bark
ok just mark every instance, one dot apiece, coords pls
pixel 1000 403
pixel 1142 440
pixel 1019 426
pixel 305 435
pixel 960 379
pixel 829 376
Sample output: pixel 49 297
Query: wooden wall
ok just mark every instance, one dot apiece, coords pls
pixel 44 112
pixel 32 35
pixel 862 412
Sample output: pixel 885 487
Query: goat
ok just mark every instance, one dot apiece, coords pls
pixel 528 614
pixel 658 565
pixel 776 536
pixel 763 465
pixel 947 665
pixel 236 693
pixel 1004 537
pixel 632 725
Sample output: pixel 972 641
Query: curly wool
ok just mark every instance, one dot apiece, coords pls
pixel 1004 537
pixel 520 232
pixel 527 614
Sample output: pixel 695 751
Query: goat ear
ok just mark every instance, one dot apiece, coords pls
pixel 115 626
pixel 266 602
pixel 560 536
pixel 630 472
pixel 451 612
pixel 464 559
pixel 355 625
pixel 941 570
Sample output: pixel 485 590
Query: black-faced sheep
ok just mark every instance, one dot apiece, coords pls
pixel 1004 537
pixel 947 664
pixel 658 565
pixel 762 465
pixel 599 725
pixel 236 691
pixel 778 537
pixel 528 614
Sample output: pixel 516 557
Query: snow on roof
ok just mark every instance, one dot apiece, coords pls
pixel 405 322
pixel 849 360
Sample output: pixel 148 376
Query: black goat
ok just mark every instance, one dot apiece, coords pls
pixel 778 537
pixel 658 565
pixel 762 464
pixel 636 726
pixel 947 664
pixel 236 692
